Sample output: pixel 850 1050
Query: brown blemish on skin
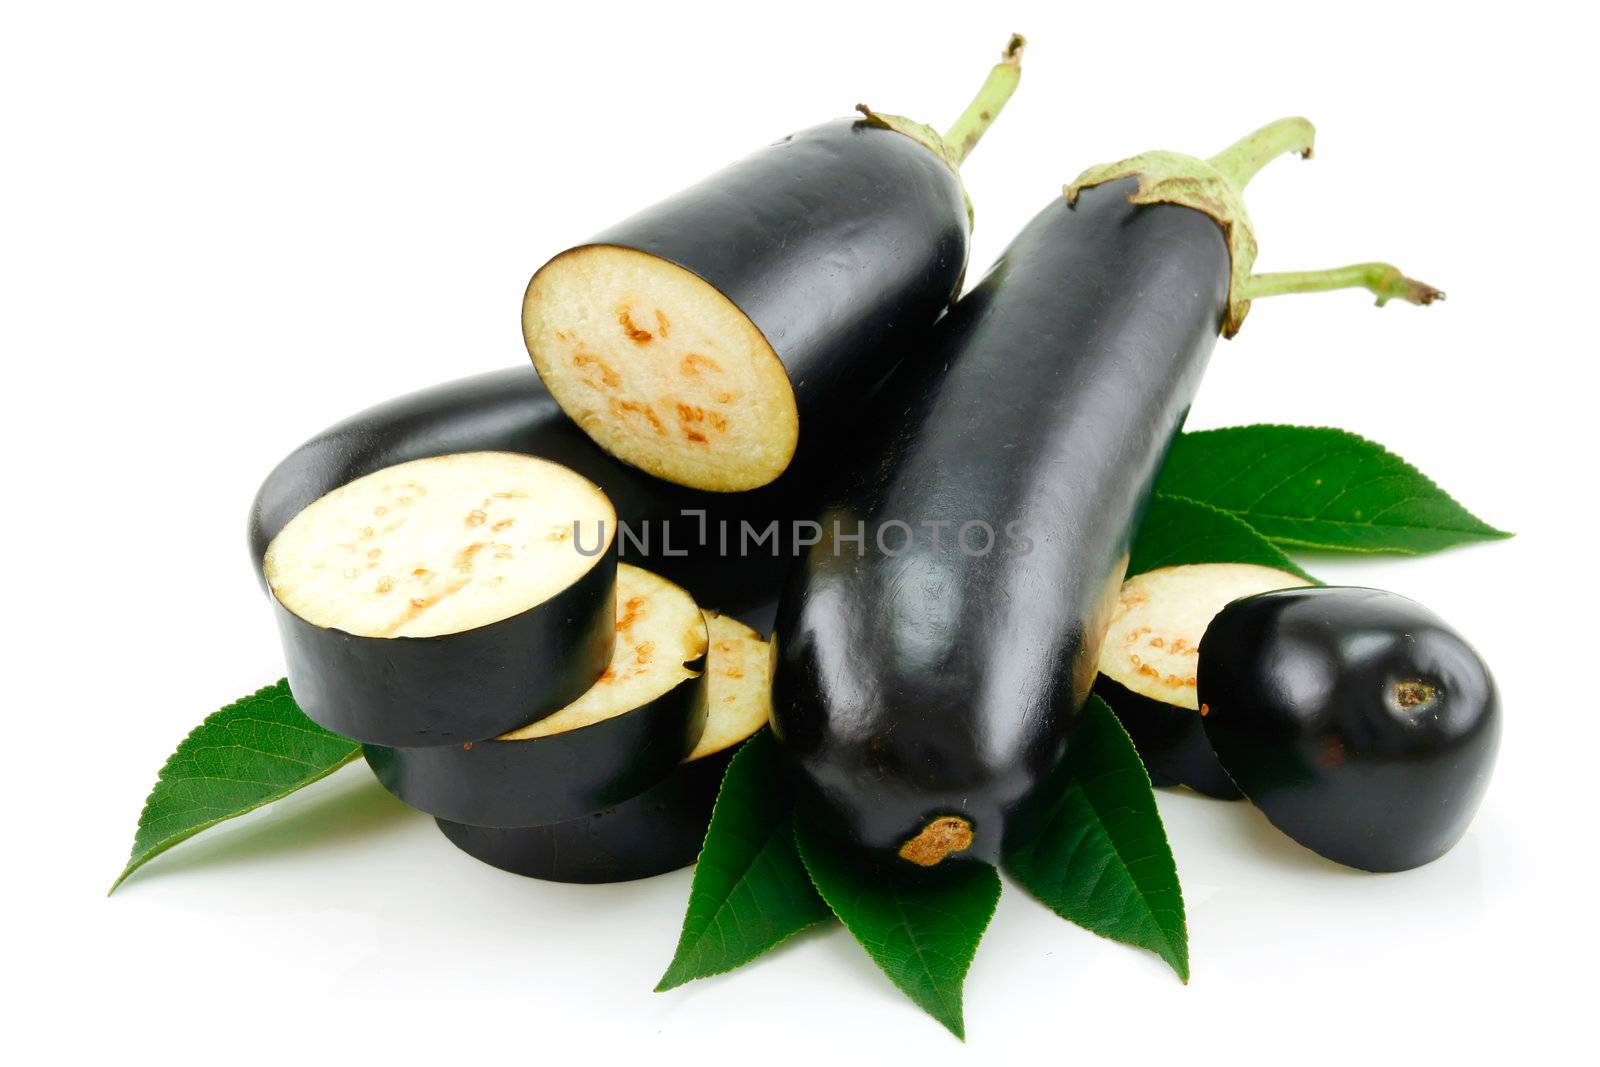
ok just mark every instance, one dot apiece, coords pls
pixel 694 362
pixel 419 605
pixel 633 333
pixel 422 574
pixel 476 518
pixel 661 322
pixel 609 378
pixel 632 612
pixel 463 561
pixel 385 584
pixel 630 407
pixel 503 524
pixel 1412 694
pixel 643 652
pixel 723 397
pixel 935 841
pixel 380 511
pixel 696 436
pixel 375 553
pixel 511 494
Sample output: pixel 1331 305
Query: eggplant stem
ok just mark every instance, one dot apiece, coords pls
pixel 974 122
pixel 1240 161
pixel 1383 280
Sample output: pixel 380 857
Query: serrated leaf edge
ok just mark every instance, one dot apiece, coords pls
pixel 135 862
pixel 1483 532
pixel 960 1027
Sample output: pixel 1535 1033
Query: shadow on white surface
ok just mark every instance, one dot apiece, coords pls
pixel 350 807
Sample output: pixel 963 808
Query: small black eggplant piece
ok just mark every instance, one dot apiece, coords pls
pixel 698 338
pixel 446 599
pixel 935 649
pixel 1150 658
pixel 662 828
pixel 1358 721
pixel 628 732
pixel 678 532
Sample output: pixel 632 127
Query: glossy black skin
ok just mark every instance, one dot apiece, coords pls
pixel 433 691
pixel 937 683
pixel 659 830
pixel 1171 741
pixel 549 779
pixel 511 411
pixel 1299 686
pixel 840 243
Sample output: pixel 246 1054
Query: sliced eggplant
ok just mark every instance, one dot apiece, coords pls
pixel 696 338
pixel 511 411
pixel 446 599
pixel 1149 664
pixel 640 719
pixel 662 828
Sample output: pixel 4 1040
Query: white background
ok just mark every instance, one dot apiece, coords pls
pixel 226 226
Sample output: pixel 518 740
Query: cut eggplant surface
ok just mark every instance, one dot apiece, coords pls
pixel 511 411
pixel 695 339
pixel 446 599
pixel 1149 663
pixel 662 828
pixel 675 379
pixel 622 736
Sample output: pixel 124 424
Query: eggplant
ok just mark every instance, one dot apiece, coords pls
pixel 662 828
pixel 626 733
pixel 446 599
pixel 936 647
pixel 1359 722
pixel 672 530
pixel 697 338
pixel 1149 665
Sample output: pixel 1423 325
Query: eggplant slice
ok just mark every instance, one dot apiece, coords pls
pixel 627 733
pixel 662 828
pixel 446 599
pixel 1150 659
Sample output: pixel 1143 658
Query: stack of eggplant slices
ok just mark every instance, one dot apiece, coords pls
pixel 721 385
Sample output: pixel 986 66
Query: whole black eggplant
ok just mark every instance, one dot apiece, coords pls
pixel 698 338
pixel 930 669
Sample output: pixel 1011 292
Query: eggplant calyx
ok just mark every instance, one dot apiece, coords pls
pixel 1213 187
pixel 935 841
pixel 957 143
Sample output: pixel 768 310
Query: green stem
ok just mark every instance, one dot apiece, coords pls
pixel 1381 279
pixel 1240 161
pixel 980 114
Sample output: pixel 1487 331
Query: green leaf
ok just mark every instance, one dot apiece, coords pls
pixel 250 753
pixel 1101 859
pixel 1176 530
pixel 1312 487
pixel 750 890
pixel 922 927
